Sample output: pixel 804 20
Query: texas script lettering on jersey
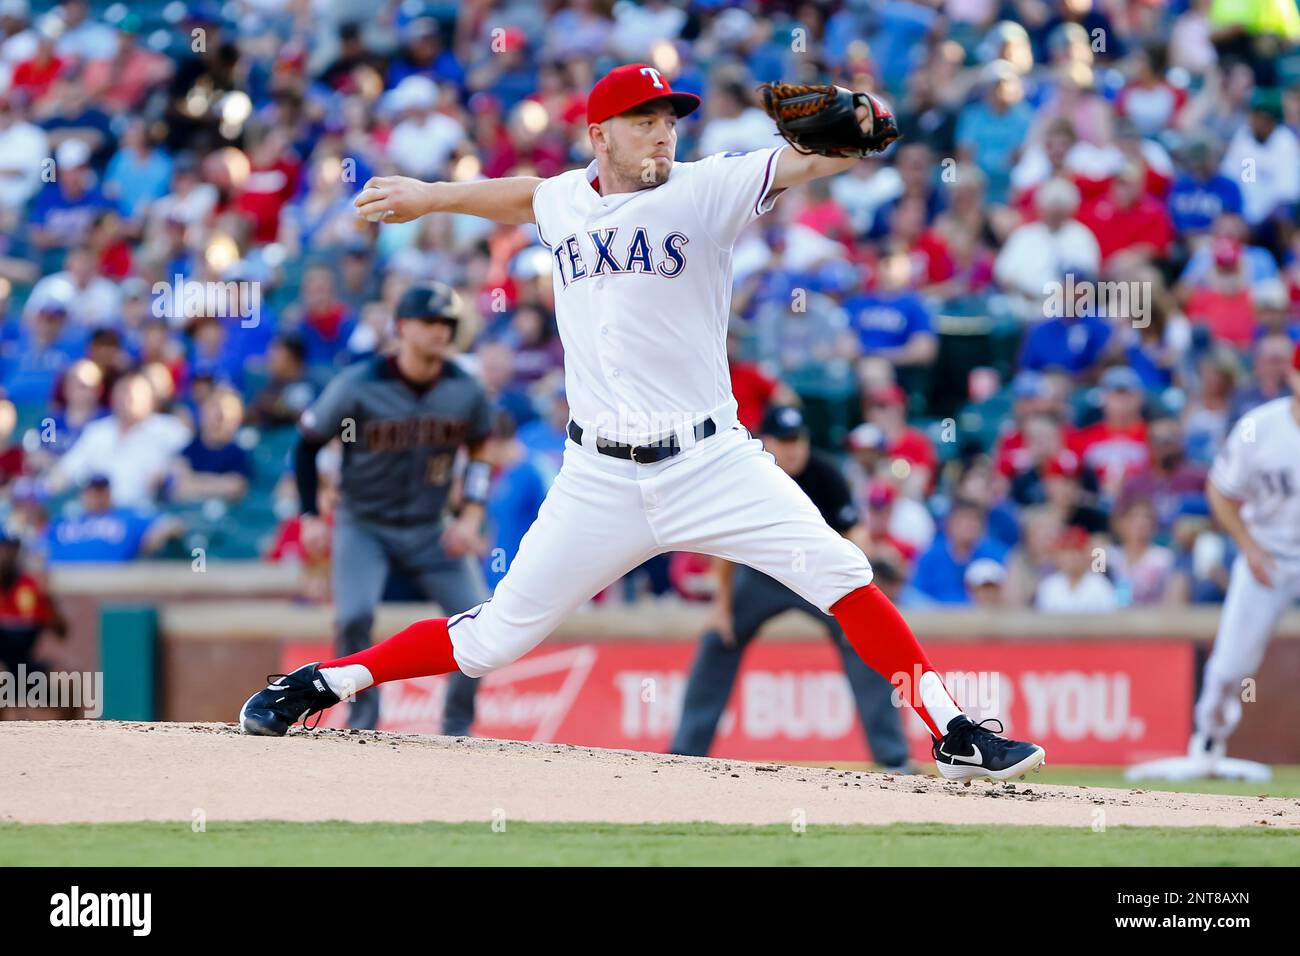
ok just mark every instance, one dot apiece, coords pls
pixel 607 255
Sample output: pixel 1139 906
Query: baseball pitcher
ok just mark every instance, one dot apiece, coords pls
pixel 655 461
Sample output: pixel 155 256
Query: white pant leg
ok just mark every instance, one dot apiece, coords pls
pixel 1250 612
pixel 590 531
pixel 729 498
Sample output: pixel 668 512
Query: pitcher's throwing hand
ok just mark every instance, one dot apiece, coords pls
pixel 393 199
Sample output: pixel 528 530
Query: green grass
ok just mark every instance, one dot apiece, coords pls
pixel 577 844
pixel 1285 782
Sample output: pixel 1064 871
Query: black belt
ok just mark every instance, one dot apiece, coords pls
pixel 644 454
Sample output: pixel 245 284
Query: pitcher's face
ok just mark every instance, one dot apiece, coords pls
pixel 639 146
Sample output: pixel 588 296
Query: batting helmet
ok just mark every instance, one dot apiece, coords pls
pixel 430 302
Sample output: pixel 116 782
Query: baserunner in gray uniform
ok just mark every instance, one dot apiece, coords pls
pixel 402 419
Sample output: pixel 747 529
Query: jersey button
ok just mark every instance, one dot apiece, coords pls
pixel 604 330
pixel 615 373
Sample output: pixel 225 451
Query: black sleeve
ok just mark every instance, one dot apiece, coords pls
pixel 831 494
pixel 304 472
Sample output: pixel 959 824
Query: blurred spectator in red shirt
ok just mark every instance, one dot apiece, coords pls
pixel 1128 220
pixel 754 389
pixel 1149 100
pixel 825 216
pixel 120 82
pixel 1148 155
pixel 924 248
pixel 272 181
pixel 35 76
pixel 1221 301
pixel 1035 432
pixel 26 611
pixel 1116 446
pixel 879 521
pixel 914 458
pixel 11 452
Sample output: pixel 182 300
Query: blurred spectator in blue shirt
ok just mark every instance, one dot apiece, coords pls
pixel 213 465
pixel 138 173
pixel 497 371
pixel 992 130
pixel 215 350
pixel 545 435
pixel 35 353
pixel 104 533
pixel 892 321
pixel 1201 194
pixel 423 54
pixel 64 212
pixel 1075 344
pixel 941 571
pixel 518 488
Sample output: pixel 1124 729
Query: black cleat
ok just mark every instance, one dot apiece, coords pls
pixel 971 750
pixel 287 699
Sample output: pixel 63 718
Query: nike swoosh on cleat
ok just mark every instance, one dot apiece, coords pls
pixel 974 756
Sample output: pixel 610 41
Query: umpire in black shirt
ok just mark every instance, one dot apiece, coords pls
pixel 747 600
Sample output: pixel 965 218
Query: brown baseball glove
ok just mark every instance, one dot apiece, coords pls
pixel 823 119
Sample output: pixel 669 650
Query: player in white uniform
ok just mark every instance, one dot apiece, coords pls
pixel 1254 491
pixel 641 251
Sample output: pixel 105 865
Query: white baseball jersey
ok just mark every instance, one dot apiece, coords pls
pixel 1260 465
pixel 643 290
pixel 643 293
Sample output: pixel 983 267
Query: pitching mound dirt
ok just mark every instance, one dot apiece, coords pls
pixel 99 771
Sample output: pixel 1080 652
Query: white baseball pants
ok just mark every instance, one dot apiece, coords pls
pixel 1250 612
pixel 723 496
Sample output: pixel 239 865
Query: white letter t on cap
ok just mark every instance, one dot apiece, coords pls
pixel 654 75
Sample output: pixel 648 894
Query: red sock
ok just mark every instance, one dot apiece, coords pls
pixel 886 644
pixel 421 650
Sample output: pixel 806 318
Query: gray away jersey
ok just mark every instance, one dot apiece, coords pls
pixel 398 446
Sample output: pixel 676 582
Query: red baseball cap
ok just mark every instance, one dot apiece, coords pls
pixel 1072 537
pixel 880 494
pixel 1295 359
pixel 631 85
pixel 887 395
pixel 1064 464
pixel 1227 252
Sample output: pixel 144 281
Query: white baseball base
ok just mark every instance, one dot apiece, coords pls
pixel 1184 767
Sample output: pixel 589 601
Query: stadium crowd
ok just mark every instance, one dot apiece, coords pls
pixel 1001 443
